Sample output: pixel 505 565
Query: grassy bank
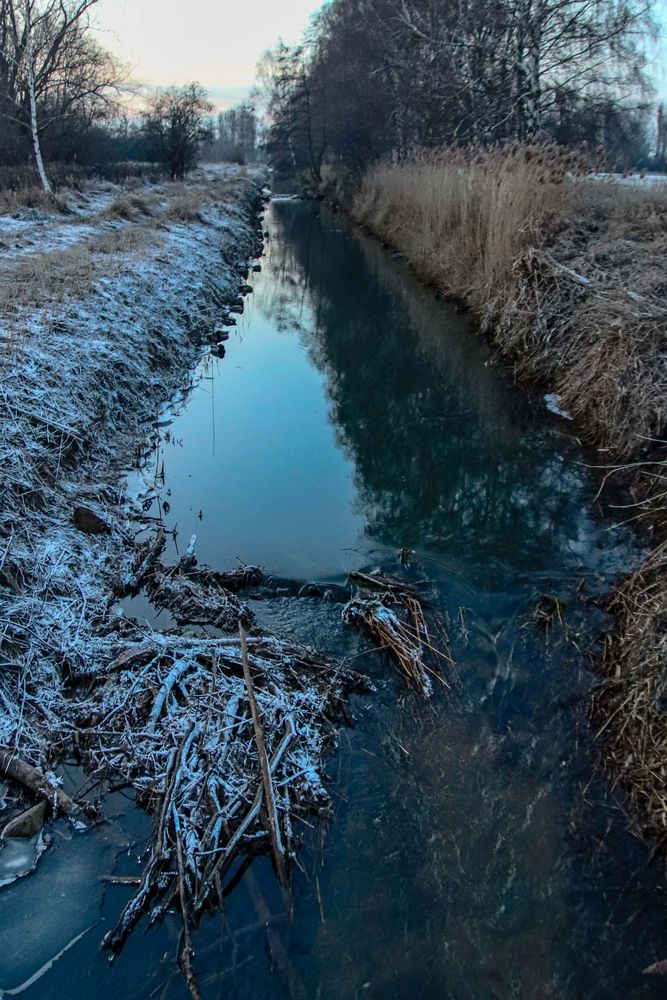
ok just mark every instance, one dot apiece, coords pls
pixel 102 309
pixel 568 276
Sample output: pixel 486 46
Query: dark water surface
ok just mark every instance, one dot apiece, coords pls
pixel 473 850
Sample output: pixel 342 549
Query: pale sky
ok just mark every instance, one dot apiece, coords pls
pixel 217 42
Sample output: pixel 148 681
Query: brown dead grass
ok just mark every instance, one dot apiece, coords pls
pixel 130 207
pixel 461 219
pixel 40 279
pixel 629 708
pixel 586 311
pixel 17 199
pixel 186 207
pixel 187 202
pixel 568 275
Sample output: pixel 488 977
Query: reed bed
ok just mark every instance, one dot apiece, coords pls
pixel 567 273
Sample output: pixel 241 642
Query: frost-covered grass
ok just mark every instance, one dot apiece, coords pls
pixel 98 334
pixel 213 734
pixel 95 338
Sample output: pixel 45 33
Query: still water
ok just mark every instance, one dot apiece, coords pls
pixel 473 850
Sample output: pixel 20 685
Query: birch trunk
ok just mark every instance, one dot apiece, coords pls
pixel 34 130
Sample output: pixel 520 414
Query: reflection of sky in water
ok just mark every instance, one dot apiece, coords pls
pixel 256 454
pixel 352 411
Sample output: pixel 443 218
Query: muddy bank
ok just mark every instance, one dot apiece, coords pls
pixel 566 274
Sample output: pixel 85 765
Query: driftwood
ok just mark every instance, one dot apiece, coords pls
pixel 267 783
pixel 147 556
pixel 132 655
pixel 28 824
pixel 223 737
pixel 35 781
pixel 384 583
pixel 199 596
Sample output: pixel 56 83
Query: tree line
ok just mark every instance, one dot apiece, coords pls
pixel 63 100
pixel 384 79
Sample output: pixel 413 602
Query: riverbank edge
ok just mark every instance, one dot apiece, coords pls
pixel 528 304
pixel 83 380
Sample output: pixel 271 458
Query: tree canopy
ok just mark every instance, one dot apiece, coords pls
pixel 384 78
pixel 176 124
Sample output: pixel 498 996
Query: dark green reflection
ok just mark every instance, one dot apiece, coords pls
pixel 449 457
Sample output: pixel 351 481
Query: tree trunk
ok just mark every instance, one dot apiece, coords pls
pixel 534 73
pixel 34 130
pixel 527 68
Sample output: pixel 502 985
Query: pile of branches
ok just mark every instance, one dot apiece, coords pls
pixel 222 739
pixel 396 622
pixel 80 384
pixel 197 595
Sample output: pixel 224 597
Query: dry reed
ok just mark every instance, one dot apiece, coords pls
pixel 568 275
pixel 396 622
pixel 129 206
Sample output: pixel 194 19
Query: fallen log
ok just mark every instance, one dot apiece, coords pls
pixel 384 583
pixel 36 782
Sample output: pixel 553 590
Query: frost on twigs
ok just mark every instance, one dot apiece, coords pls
pixel 175 722
pixel 81 379
pixel 200 596
pixel 182 719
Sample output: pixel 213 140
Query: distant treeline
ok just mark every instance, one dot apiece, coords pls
pixel 127 145
pixel 384 79
pixel 63 101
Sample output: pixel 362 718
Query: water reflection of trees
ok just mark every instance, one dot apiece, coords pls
pixel 447 453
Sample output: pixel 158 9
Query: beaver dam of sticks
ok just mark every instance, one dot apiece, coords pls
pixel 222 738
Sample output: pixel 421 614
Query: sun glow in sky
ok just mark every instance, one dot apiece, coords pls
pixel 217 42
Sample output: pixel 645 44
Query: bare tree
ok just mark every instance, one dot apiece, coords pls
pixel 551 46
pixel 385 78
pixel 176 124
pixel 237 134
pixel 661 137
pixel 32 95
pixel 51 67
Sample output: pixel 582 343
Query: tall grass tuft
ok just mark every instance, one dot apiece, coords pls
pixel 462 219
pixel 566 272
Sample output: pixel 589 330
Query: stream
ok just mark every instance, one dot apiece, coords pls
pixel 474 850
